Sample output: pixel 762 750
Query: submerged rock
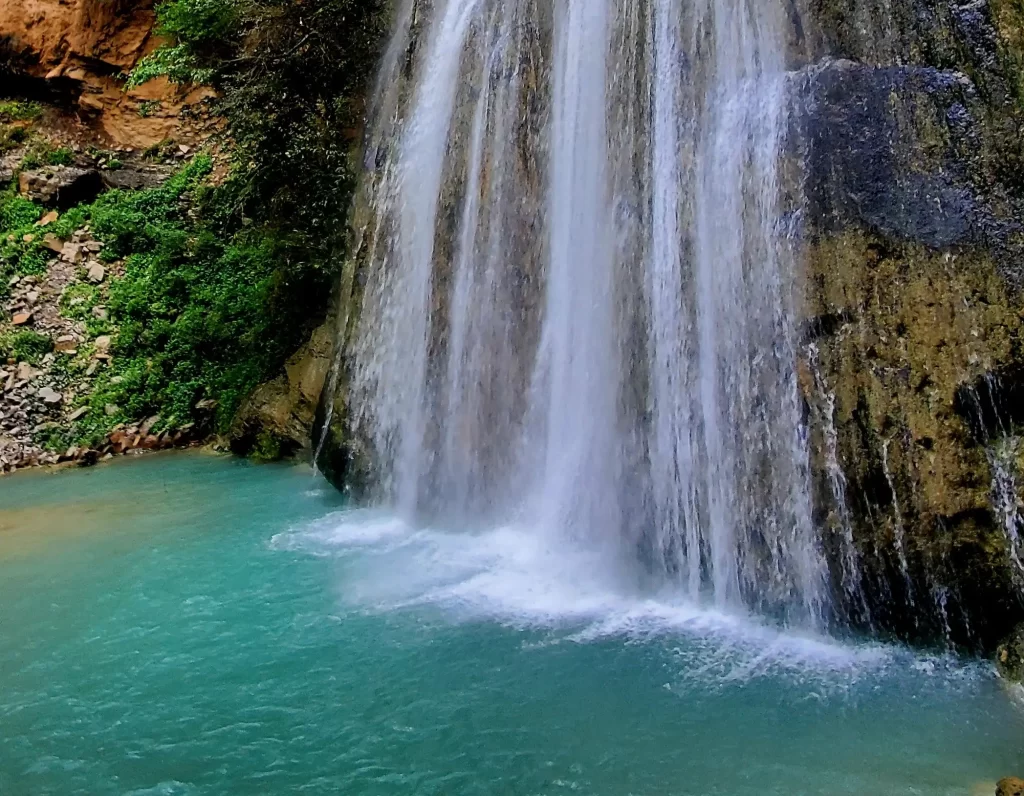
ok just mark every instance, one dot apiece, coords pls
pixel 1010 786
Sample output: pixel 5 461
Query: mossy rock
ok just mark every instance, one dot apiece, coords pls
pixel 1010 663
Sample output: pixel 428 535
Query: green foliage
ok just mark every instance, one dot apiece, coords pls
pixel 176 63
pixel 19 111
pixel 16 212
pixel 18 255
pixel 200 312
pixel 292 78
pixel 62 156
pixel 25 345
pixel 42 152
pixel 54 437
pixel 148 107
pixel 77 303
pixel 202 31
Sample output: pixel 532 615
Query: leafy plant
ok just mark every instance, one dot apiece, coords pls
pixel 62 156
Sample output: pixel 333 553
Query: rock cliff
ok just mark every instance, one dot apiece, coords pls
pixel 76 53
pixel 913 346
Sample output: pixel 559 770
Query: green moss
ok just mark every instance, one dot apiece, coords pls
pixel 266 447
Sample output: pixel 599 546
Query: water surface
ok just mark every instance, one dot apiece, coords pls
pixel 187 624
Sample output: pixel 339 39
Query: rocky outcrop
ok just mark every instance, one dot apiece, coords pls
pixel 277 419
pixel 60 186
pixel 77 52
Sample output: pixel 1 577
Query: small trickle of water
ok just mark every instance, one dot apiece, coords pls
pixel 841 519
pixel 1002 459
pixel 899 533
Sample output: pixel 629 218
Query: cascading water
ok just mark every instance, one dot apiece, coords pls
pixel 578 311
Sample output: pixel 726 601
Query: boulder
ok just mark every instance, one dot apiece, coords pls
pixel 137 176
pixel 49 218
pixel 60 186
pixel 96 272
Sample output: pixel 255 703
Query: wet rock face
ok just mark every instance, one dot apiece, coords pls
pixel 890 150
pixel 1010 658
pixel 278 416
pixel 914 274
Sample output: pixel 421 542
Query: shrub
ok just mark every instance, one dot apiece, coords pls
pixel 62 156
pixel 19 111
pixel 25 345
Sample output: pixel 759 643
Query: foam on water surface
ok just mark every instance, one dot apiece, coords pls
pixel 525 578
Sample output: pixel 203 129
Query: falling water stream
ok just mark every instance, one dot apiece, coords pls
pixel 579 311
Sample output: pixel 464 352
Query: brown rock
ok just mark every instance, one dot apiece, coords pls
pixel 49 218
pixel 71 252
pixel 52 242
pixel 79 412
pixel 96 272
pixel 121 441
pixel 1010 786
pixel 26 372
pixel 84 46
pixel 22 318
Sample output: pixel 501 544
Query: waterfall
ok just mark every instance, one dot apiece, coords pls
pixel 578 307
